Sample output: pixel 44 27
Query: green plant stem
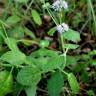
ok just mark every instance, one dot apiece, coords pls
pixel 5 65
pixel 50 13
pixel 28 7
pixel 52 16
pixel 11 70
pixel 4 30
pixel 62 43
pixel 63 71
pixel 61 37
pixel 3 26
pixel 9 65
pixel 4 23
pixel 93 15
pixel 5 33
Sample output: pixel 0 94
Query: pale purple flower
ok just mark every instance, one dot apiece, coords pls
pixel 59 4
pixel 56 5
pixel 62 28
pixel 65 5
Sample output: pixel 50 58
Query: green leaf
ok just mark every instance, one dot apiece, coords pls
pixel 43 52
pixel 71 46
pixel 79 67
pixel 28 42
pixel 71 60
pixel 17 32
pixel 93 62
pixel 72 35
pixel 52 31
pixel 53 63
pixel 36 17
pixel 46 5
pixel 13 19
pixel 73 83
pixel 92 53
pixel 85 76
pixel 47 60
pixel 91 93
pixel 44 43
pixel 14 58
pixel 11 43
pixel 55 84
pixel 22 1
pixel 29 76
pixel 31 91
pixel 6 83
pixel 29 33
pixel 17 89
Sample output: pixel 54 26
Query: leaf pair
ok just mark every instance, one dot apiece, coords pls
pixel 56 84
pixel 47 60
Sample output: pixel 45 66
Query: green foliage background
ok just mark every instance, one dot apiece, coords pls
pixel 66 68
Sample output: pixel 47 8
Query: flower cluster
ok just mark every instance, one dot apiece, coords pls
pixel 62 28
pixel 59 4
